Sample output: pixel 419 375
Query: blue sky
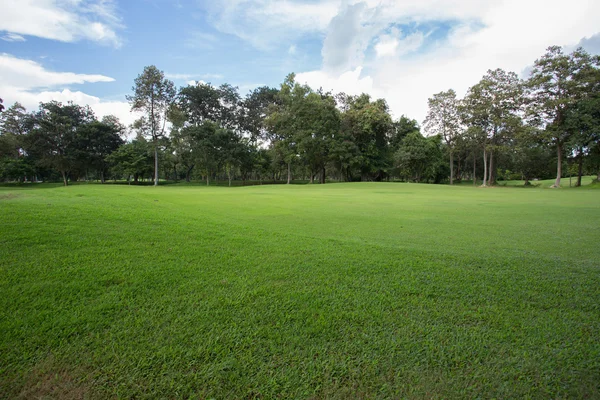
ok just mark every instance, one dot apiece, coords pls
pixel 89 51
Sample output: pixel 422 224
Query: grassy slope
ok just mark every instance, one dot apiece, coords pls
pixel 362 290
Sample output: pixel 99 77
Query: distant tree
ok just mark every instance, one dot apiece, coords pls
pixel 54 135
pixel 95 141
pixel 583 118
pixel 491 109
pixel 419 158
pixel 203 102
pixel 344 154
pixel 593 159
pixel 153 95
pixel 204 142
pixel 531 158
pixel 229 106
pixel 283 122
pixel 15 123
pixel 557 81
pixel 1 105
pixel 133 159
pixel 254 110
pixel 403 127
pixel 319 123
pixel 370 125
pixel 443 119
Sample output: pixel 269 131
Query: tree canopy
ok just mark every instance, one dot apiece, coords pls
pixel 503 128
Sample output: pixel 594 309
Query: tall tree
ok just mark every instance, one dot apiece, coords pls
pixel 370 125
pixel 317 128
pixel 54 136
pixel 254 111
pixel 96 140
pixel 492 107
pixel 133 159
pixel 583 117
pixel 556 83
pixel 285 120
pixel 443 119
pixel 203 102
pixel 419 158
pixel 15 123
pixel 153 95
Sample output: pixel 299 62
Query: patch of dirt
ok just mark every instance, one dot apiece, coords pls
pixel 48 380
pixel 8 196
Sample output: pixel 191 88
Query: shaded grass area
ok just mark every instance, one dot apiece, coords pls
pixel 324 291
pixel 546 183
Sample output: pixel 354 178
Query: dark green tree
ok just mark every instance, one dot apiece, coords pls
pixel 153 95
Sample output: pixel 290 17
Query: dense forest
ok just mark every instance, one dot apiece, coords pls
pixel 504 128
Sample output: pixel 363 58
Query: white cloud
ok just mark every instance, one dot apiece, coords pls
pixel 30 74
pixel 62 20
pixel 386 46
pixel 12 37
pixel 349 82
pixel 292 50
pixel 347 39
pixel 187 77
pixel 195 82
pixel 268 23
pixel 507 34
pixel 29 83
pixel 364 47
pixel 393 44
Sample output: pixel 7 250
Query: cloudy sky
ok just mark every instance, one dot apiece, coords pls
pixel 90 51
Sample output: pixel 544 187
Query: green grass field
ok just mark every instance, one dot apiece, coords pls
pixel 362 290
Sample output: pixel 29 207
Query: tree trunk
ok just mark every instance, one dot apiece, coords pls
pixel 579 168
pixel 491 178
pixel 484 167
pixel 323 174
pixel 289 173
pixel 451 168
pixel 558 166
pixel 229 175
pixel 155 165
pixel 474 170
pixel 64 176
pixel 102 180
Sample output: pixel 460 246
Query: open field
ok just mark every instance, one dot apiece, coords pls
pixel 361 290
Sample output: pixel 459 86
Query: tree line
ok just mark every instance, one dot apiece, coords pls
pixel 503 128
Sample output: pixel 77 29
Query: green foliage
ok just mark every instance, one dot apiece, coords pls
pixel 153 96
pixel 370 126
pixel 557 83
pixel 420 159
pixel 501 125
pixel 132 160
pixel 54 136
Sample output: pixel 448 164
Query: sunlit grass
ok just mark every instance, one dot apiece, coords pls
pixel 376 290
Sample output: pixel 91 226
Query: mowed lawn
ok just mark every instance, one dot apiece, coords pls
pixel 360 290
